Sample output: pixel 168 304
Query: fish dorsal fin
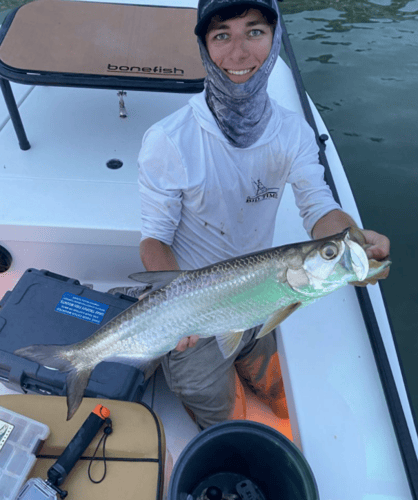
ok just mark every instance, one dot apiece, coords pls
pixel 155 279
pixel 228 342
pixel 277 317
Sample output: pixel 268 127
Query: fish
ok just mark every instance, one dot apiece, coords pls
pixel 222 300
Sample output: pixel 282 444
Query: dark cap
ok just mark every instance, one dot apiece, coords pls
pixel 206 9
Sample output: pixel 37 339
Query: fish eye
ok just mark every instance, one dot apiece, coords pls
pixel 329 251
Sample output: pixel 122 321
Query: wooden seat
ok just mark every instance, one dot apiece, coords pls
pixel 98 45
pixel 64 42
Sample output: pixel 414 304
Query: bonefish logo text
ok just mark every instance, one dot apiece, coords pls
pixel 113 68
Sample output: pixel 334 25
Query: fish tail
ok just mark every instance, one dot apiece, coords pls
pixel 57 357
pixel 77 381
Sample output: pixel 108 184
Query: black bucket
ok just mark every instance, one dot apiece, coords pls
pixel 239 450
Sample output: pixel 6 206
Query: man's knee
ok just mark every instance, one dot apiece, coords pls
pixel 214 404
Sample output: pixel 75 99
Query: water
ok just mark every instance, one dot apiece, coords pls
pixel 359 63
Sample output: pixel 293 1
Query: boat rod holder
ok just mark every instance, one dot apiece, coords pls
pixel 122 110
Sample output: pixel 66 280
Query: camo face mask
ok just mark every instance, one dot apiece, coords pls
pixel 241 110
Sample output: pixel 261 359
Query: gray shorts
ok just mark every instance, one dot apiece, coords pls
pixel 205 381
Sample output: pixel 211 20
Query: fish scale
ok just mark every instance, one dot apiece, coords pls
pixel 193 293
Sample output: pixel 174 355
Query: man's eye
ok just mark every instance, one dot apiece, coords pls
pixel 221 36
pixel 256 32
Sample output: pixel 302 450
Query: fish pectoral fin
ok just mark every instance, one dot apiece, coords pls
pixel 277 317
pixel 228 342
pixel 155 279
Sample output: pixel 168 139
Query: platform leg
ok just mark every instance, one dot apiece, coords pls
pixel 14 114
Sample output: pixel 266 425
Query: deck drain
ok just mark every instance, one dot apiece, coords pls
pixel 114 164
pixel 5 260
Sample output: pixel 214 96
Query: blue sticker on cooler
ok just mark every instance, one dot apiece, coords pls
pixel 82 308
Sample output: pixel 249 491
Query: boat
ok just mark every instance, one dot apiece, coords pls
pixel 70 204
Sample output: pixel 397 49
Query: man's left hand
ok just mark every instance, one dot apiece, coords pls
pixel 378 248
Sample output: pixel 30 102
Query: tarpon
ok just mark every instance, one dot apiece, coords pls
pixel 221 300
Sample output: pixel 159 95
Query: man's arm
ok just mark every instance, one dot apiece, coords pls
pixel 337 220
pixel 332 223
pixel 157 256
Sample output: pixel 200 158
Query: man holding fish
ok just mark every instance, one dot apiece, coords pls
pixel 209 173
pixel 211 178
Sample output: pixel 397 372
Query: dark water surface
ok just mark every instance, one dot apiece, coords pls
pixel 359 62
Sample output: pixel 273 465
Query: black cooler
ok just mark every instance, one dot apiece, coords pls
pixel 46 308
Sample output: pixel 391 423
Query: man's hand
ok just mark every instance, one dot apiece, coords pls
pixel 157 256
pixel 187 342
pixel 377 248
pixel 377 245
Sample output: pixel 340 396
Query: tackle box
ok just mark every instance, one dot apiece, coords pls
pixel 20 439
pixel 46 308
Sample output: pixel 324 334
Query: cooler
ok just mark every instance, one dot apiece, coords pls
pixel 46 308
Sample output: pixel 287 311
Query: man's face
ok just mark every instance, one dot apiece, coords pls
pixel 239 46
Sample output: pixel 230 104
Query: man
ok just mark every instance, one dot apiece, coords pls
pixel 197 169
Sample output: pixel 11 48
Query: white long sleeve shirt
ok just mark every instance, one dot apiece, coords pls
pixel 211 201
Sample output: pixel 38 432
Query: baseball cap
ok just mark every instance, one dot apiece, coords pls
pixel 206 9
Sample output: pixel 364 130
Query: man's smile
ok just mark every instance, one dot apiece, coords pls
pixel 239 71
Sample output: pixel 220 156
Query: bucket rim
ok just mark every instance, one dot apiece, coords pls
pixel 233 426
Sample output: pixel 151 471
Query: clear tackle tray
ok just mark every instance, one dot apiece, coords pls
pixel 20 440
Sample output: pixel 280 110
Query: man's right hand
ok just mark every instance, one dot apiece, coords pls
pixel 157 256
pixel 187 342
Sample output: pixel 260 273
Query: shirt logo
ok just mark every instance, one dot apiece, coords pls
pixel 262 192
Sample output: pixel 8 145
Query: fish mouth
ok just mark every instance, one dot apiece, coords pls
pixel 377 266
pixel 358 258
pixel 363 267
